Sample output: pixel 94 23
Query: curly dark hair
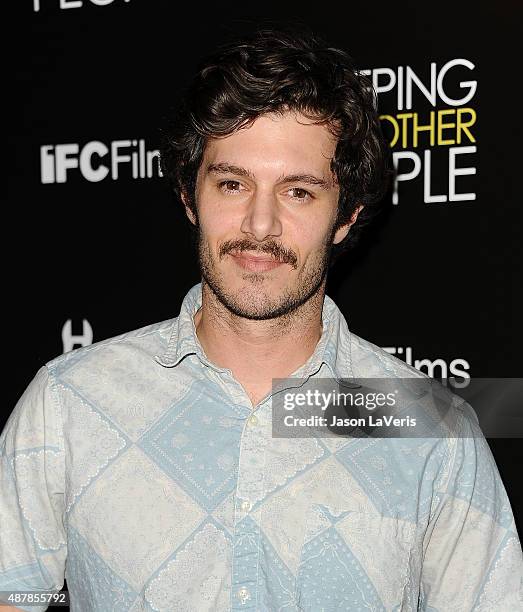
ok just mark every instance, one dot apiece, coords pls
pixel 277 70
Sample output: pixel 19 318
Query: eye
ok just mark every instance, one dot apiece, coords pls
pixel 300 194
pixel 230 186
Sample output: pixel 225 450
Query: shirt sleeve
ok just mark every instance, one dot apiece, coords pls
pixel 472 554
pixel 32 469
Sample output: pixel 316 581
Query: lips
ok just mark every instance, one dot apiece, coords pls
pixel 255 263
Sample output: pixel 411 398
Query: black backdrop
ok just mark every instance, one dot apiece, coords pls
pixel 91 81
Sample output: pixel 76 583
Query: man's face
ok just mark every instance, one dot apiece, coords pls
pixel 267 203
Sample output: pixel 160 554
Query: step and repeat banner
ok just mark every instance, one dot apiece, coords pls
pixel 97 246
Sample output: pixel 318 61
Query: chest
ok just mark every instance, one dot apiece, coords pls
pixel 196 505
pixel 206 511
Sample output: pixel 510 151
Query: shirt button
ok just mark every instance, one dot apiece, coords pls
pixel 243 594
pixel 252 420
pixel 246 505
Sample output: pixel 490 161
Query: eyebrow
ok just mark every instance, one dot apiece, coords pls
pixel 308 179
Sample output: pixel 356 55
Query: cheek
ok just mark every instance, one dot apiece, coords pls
pixel 216 215
pixel 214 232
pixel 312 236
pixel 215 224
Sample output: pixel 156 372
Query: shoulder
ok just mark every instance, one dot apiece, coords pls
pixel 372 361
pixel 439 401
pixel 134 346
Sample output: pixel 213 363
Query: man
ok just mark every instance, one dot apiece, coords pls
pixel 143 466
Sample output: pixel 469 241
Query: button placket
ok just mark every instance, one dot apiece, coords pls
pixel 250 489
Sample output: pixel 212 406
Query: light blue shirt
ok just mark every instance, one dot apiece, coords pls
pixel 139 470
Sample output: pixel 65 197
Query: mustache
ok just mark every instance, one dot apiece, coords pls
pixel 277 251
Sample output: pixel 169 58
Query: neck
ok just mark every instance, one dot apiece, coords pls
pixel 258 350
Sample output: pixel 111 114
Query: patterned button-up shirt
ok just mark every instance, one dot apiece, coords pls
pixel 140 471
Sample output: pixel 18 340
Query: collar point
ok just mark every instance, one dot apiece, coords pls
pixel 164 360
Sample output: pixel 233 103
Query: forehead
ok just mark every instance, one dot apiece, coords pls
pixel 281 142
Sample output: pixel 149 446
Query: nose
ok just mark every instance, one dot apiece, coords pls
pixel 261 219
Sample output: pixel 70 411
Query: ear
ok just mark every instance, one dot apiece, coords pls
pixel 343 230
pixel 188 210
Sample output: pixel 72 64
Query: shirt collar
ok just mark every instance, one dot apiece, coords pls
pixel 333 348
